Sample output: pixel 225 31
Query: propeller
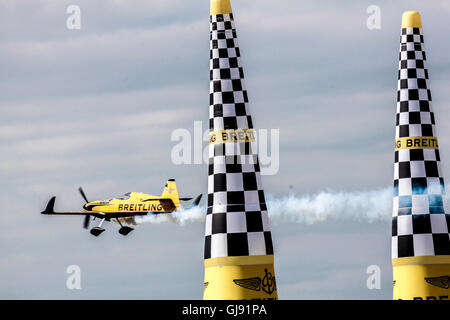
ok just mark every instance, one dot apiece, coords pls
pixel 82 194
pixel 86 221
pixel 87 218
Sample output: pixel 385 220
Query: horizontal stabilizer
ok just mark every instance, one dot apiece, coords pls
pixel 158 199
pixel 197 200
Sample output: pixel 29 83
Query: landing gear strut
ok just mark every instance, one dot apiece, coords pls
pixel 98 230
pixel 124 230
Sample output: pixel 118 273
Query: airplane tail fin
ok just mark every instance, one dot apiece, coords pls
pixel 171 191
pixel 50 205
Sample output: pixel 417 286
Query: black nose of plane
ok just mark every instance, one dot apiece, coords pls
pixel 85 207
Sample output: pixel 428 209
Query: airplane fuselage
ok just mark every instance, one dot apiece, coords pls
pixel 137 203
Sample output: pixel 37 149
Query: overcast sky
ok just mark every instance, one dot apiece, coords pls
pixel 96 107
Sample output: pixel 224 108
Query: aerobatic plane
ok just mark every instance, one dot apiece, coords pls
pixel 123 209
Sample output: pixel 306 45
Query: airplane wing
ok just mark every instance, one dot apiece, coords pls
pixel 157 199
pixel 50 211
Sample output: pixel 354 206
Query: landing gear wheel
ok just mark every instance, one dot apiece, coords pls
pixel 125 230
pixel 97 231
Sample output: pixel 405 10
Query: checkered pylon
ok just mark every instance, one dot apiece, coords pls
pixel 237 222
pixel 420 226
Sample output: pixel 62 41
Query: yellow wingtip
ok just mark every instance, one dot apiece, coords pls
pixel 411 19
pixel 220 7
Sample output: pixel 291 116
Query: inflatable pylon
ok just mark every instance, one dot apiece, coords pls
pixel 239 261
pixel 420 225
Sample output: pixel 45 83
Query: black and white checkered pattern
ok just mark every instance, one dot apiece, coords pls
pixel 420 226
pixel 237 222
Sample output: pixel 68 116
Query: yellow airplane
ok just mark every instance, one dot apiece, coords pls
pixel 123 209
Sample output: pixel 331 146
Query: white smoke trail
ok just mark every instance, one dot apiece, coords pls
pixel 370 206
pixel 182 217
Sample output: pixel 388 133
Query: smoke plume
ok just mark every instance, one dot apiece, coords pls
pixel 369 206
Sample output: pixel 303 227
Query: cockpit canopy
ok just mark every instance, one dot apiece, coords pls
pixel 126 196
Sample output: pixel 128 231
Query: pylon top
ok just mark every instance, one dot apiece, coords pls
pixel 411 19
pixel 220 7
